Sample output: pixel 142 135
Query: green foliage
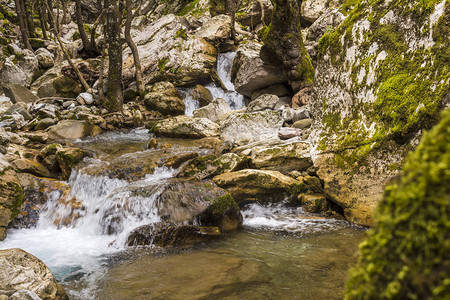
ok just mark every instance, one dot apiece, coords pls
pixel 181 33
pixel 162 64
pixel 407 253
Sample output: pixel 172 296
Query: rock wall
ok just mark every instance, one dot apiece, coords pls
pixel 381 77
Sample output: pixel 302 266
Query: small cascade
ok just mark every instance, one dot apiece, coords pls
pixel 233 98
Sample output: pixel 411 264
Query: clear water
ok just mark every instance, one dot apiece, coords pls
pixel 233 98
pixel 281 253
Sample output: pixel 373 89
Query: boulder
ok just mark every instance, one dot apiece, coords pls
pixel 212 165
pixel 217 30
pixel 87 98
pixel 22 271
pixel 215 111
pixel 21 109
pixel 242 128
pixel 302 124
pixel 68 158
pixel 259 185
pixel 283 158
pixel 72 130
pixel 21 68
pixel 164 235
pixel 312 9
pixel 251 14
pixel 314 203
pixel 279 90
pixel 45 58
pixel 25 165
pixel 186 127
pixel 5 104
pixel 177 160
pixel 202 95
pixel 263 102
pixel 301 98
pixel 165 98
pixel 11 196
pixel 286 133
pixel 168 53
pixel 18 93
pixel 250 73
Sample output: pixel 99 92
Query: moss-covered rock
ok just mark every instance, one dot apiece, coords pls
pixel 165 98
pixel 68 158
pixel 381 78
pixel 407 253
pixel 186 127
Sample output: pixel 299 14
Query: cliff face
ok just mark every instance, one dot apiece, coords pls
pixel 381 77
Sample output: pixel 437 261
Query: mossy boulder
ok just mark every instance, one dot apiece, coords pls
pixel 186 127
pixel 68 158
pixel 259 185
pixel 11 195
pixel 165 98
pixel 380 81
pixel 72 130
pixel 407 253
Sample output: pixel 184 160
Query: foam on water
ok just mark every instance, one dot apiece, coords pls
pixel 279 217
pixel 233 98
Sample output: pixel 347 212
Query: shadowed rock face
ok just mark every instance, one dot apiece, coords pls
pixel 22 271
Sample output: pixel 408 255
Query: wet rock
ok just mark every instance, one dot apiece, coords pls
pixel 172 235
pixel 212 165
pixel 242 128
pixel 177 160
pixel 283 158
pixel 68 158
pixel 301 98
pixel 286 133
pixel 215 111
pixel 22 271
pixel 45 58
pixel 314 203
pixel 258 185
pixel 18 93
pixel 263 102
pixel 168 53
pixel 165 98
pixel 217 30
pixel 202 95
pixel 250 73
pixel 11 195
pixel 72 130
pixel 153 143
pixel 312 183
pixel 186 127
pixel 302 124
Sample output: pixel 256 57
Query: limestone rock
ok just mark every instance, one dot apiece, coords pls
pixel 212 165
pixel 68 158
pixel 22 271
pixel 21 68
pixel 44 123
pixel 302 124
pixel 312 9
pixel 45 58
pixel 25 165
pixel 263 102
pixel 169 53
pixel 283 158
pixel 18 93
pixel 186 127
pixel 314 203
pixel 11 196
pixel 250 73
pixel 165 98
pixel 258 185
pixel 215 111
pixel 202 95
pixel 72 130
pixel 242 128
pixel 217 30
pixel 279 90
pixel 286 133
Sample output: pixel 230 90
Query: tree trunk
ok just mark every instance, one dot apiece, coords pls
pixel 49 5
pixel 134 50
pixel 94 29
pixel 114 97
pixel 83 35
pixel 23 29
pixel 28 8
pixel 232 7
pixel 41 11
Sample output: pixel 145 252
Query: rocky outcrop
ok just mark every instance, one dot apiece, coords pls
pixel 186 127
pixel 374 93
pixel 259 185
pixel 11 195
pixel 165 98
pixel 22 271
pixel 169 53
pixel 250 73
pixel 240 128
pixel 21 68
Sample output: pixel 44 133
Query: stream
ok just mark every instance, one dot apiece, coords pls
pixel 280 253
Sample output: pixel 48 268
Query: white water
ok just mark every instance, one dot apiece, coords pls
pixel 233 98
pixel 278 217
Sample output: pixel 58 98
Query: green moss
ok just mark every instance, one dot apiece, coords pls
pixel 221 204
pixel 162 64
pixel 407 253
pixel 181 33
pixel 188 8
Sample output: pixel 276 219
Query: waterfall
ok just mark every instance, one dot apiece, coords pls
pixel 233 98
